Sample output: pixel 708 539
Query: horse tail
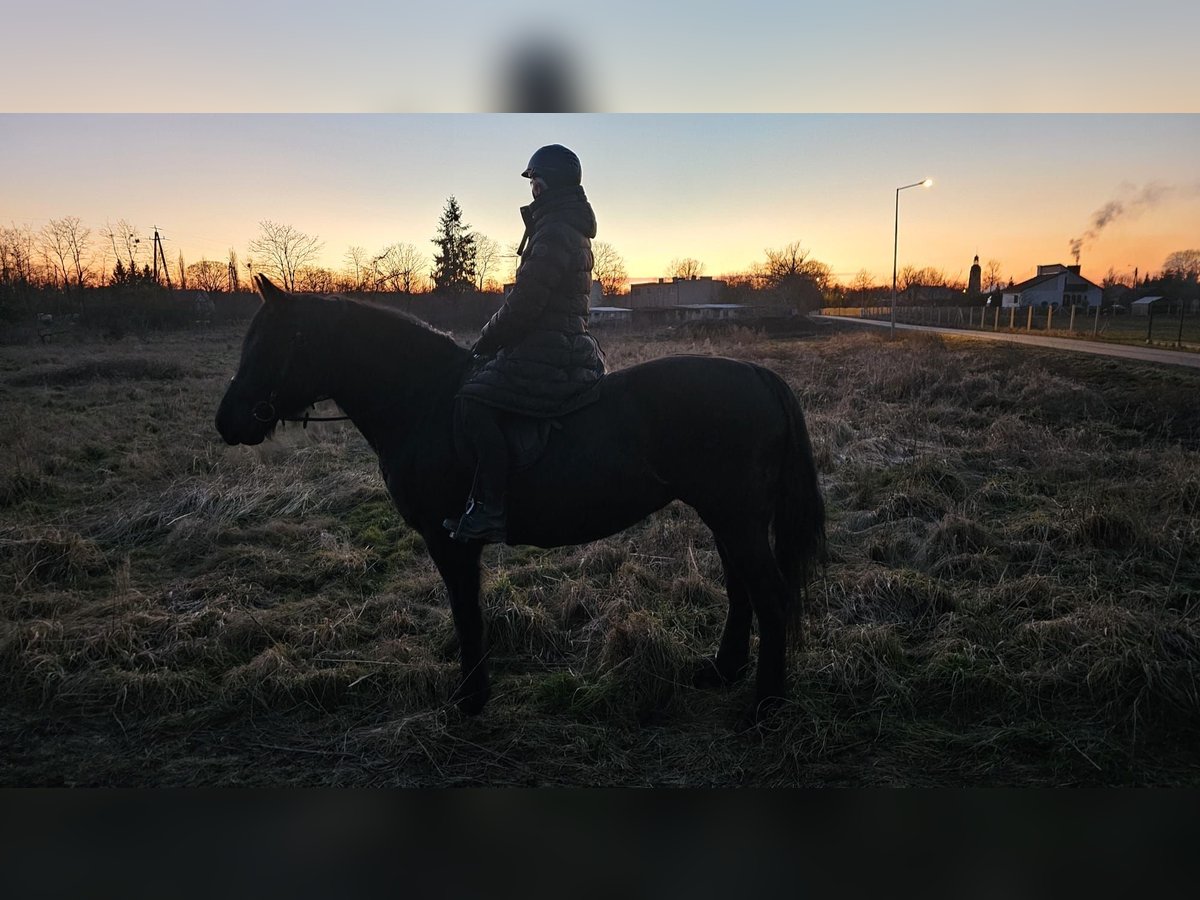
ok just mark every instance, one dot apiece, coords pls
pixel 799 511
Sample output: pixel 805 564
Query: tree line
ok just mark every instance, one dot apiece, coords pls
pixel 66 255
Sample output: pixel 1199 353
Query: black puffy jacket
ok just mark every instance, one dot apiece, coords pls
pixel 545 363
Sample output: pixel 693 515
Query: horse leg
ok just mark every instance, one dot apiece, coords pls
pixel 750 557
pixel 458 565
pixel 733 655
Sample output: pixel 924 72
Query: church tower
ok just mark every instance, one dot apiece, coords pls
pixel 973 282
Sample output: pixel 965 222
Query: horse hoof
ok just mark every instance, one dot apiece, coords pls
pixel 709 673
pixel 472 704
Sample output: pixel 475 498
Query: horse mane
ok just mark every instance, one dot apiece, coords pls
pixel 411 332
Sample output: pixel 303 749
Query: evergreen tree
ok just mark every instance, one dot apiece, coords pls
pixel 454 259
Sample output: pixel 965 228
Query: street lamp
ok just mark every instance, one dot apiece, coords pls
pixel 896 245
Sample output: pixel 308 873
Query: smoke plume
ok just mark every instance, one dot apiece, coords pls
pixel 1133 203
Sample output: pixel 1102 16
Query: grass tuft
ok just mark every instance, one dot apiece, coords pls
pixel 118 369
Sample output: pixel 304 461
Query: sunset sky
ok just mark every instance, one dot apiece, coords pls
pixel 720 188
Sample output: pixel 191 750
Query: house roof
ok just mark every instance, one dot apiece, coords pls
pixel 1146 301
pixel 1030 282
pixel 1072 281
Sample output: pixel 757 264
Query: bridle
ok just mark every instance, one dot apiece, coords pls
pixel 265 412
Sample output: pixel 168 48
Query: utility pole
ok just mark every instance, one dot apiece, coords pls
pixel 159 255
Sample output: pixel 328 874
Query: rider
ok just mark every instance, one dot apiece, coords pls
pixel 535 356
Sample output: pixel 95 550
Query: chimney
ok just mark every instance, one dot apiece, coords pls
pixel 1074 268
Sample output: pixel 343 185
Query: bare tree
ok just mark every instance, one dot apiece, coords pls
pixel 861 284
pixel 609 268
pixel 685 268
pixel 281 250
pixel 317 279
pixel 208 275
pixel 63 244
pixel 398 267
pixel 1111 279
pixel 862 281
pixel 232 272
pixel 793 261
pixel 739 286
pixel 1184 263
pixel 906 277
pixel 487 253
pixel 912 277
pixel 53 250
pixel 125 241
pixel 183 272
pixel 410 265
pixel 992 275
pixel 78 240
pixel 794 276
pixel 16 255
pixel 355 269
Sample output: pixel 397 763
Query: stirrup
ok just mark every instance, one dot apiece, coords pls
pixel 479 523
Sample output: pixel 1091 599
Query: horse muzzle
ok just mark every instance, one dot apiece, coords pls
pixel 237 425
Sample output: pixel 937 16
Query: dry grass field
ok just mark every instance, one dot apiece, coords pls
pixel 1013 594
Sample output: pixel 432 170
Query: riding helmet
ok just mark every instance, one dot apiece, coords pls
pixel 555 165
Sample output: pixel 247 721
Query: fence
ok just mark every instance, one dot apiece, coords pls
pixel 1176 328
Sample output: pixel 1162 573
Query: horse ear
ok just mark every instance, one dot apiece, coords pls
pixel 267 289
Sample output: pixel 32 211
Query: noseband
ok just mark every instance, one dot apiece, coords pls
pixel 264 411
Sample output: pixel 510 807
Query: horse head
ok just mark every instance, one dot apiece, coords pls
pixel 279 375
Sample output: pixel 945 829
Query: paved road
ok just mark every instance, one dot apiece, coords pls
pixel 1125 351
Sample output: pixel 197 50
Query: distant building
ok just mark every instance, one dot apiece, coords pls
pixel 1053 285
pixel 610 315
pixel 975 279
pixel 699 291
pixel 694 311
pixel 1142 306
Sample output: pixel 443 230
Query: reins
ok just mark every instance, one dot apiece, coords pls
pixel 307 418
pixel 264 410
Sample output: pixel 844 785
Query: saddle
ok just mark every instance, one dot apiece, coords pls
pixel 527 438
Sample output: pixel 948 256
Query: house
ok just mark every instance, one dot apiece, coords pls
pixel 1053 285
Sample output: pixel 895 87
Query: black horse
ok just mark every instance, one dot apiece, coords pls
pixel 724 436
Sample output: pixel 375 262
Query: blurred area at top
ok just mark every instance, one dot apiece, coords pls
pixel 541 75
pixel 615 56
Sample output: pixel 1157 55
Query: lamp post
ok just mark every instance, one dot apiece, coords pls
pixel 896 246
